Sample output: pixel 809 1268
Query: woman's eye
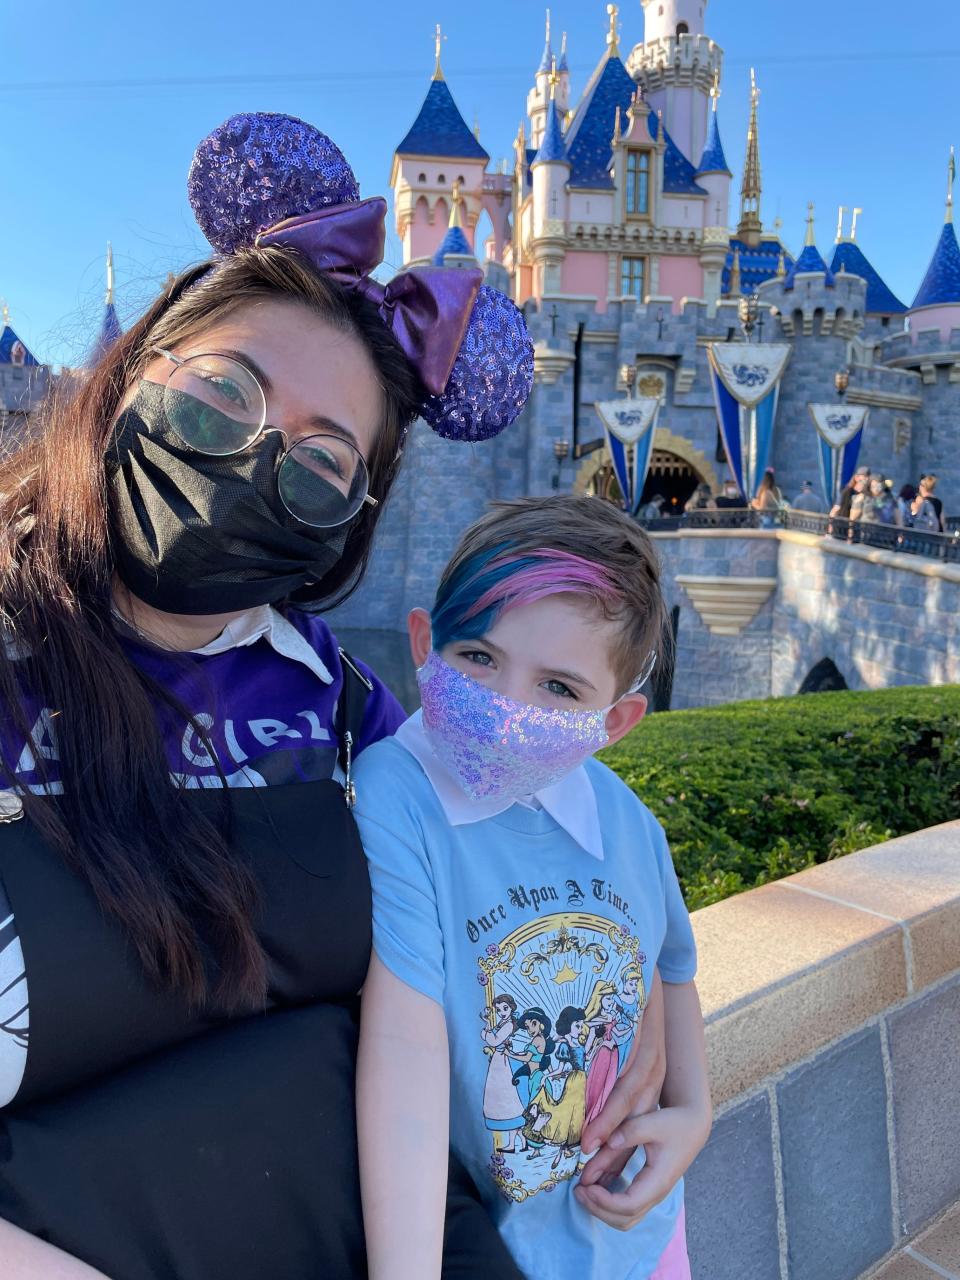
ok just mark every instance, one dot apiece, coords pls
pixel 559 689
pixel 228 391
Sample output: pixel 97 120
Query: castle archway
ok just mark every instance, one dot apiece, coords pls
pixel 676 468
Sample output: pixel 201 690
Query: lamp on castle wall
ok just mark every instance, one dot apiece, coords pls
pixel 561 451
pixel 841 380
pixel 748 309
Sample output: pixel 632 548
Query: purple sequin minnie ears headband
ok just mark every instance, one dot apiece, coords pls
pixel 265 179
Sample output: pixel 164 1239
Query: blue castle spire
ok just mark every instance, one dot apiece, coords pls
pixel 110 329
pixel 440 129
pixel 713 160
pixel 546 62
pixel 553 149
pixel 850 258
pixel 941 284
pixel 810 259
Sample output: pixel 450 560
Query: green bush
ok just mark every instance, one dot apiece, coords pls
pixel 753 791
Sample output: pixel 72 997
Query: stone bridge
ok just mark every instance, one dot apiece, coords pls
pixel 756 610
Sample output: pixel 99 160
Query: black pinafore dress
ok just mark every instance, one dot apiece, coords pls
pixel 159 1143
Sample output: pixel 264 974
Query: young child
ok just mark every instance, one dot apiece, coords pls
pixel 522 898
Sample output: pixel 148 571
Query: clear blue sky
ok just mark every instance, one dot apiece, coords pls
pixel 102 105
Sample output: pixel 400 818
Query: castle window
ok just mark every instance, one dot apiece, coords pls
pixel 422 178
pixel 632 271
pixel 682 29
pixel 638 183
pixel 441 179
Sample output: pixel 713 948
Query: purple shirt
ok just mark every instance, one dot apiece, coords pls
pixel 269 716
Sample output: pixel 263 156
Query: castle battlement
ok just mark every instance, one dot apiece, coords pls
pixel 688 60
pixel 817 304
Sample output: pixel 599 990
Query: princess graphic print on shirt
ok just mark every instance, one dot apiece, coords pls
pixel 563 994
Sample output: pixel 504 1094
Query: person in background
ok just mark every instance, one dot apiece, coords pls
pixel 731 497
pixel 905 501
pixel 844 504
pixel 653 509
pixel 701 499
pixel 768 500
pixel 879 504
pixel 928 484
pixel 807 500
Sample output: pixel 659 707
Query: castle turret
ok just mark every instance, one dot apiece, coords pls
pixel 454 250
pixel 713 172
pixel 883 306
pixel 937 304
pixel 677 64
pixel 550 171
pixel 810 262
pixel 110 329
pixel 543 93
pixel 438 150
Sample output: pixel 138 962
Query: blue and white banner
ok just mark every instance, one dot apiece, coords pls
pixel 746 387
pixel 630 426
pixel 840 428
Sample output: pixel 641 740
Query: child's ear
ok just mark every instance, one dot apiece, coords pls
pixel 624 716
pixel 418 627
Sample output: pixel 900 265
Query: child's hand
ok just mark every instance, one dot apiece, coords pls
pixel 671 1139
pixel 636 1091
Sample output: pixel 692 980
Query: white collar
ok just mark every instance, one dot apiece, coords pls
pixel 571 802
pixel 283 637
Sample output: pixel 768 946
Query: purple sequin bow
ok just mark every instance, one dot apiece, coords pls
pixel 264 179
pixel 427 310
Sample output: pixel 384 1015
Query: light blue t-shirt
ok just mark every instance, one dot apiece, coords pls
pixel 541 956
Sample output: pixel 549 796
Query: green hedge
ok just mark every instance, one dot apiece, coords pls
pixel 753 791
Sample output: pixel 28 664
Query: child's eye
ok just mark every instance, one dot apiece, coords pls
pixel 559 689
pixel 478 656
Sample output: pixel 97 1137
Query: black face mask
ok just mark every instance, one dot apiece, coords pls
pixel 192 533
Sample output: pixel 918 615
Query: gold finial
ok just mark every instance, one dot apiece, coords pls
pixel 553 79
pixel 781 264
pixel 438 38
pixel 547 33
pixel 455 218
pixel 951 178
pixel 811 238
pixel 715 89
pixel 840 212
pixel 476 127
pixel 616 127
pixel 4 315
pixel 853 224
pixel 613 37
pixel 563 46
pixel 108 300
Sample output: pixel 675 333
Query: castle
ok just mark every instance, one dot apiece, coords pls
pixel 613 231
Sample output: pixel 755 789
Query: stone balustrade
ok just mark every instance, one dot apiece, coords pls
pixel 832 1007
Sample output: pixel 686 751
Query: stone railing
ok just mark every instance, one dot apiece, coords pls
pixel 832 1004
pixel 886 537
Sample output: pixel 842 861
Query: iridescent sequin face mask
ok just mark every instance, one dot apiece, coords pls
pixel 499 748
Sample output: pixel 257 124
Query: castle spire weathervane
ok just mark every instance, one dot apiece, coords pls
pixel 613 37
pixel 715 89
pixel 951 178
pixel 853 225
pixel 811 239
pixel 438 38
pixel 840 212
pixel 108 300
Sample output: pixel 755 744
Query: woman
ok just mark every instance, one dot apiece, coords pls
pixel 701 499
pixel 178 1098
pixel 502 1107
pixel 557 1113
pixel 602 1055
pixel 768 500
pixel 185 904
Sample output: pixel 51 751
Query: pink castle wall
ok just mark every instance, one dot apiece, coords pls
pixel 680 278
pixel 943 318
pixel 586 273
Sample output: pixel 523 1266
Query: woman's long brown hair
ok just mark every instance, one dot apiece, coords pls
pixel 161 870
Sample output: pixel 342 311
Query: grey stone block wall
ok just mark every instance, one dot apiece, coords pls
pixel 731 1199
pixel 807 1192
pixel 925 1065
pixel 835 1159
